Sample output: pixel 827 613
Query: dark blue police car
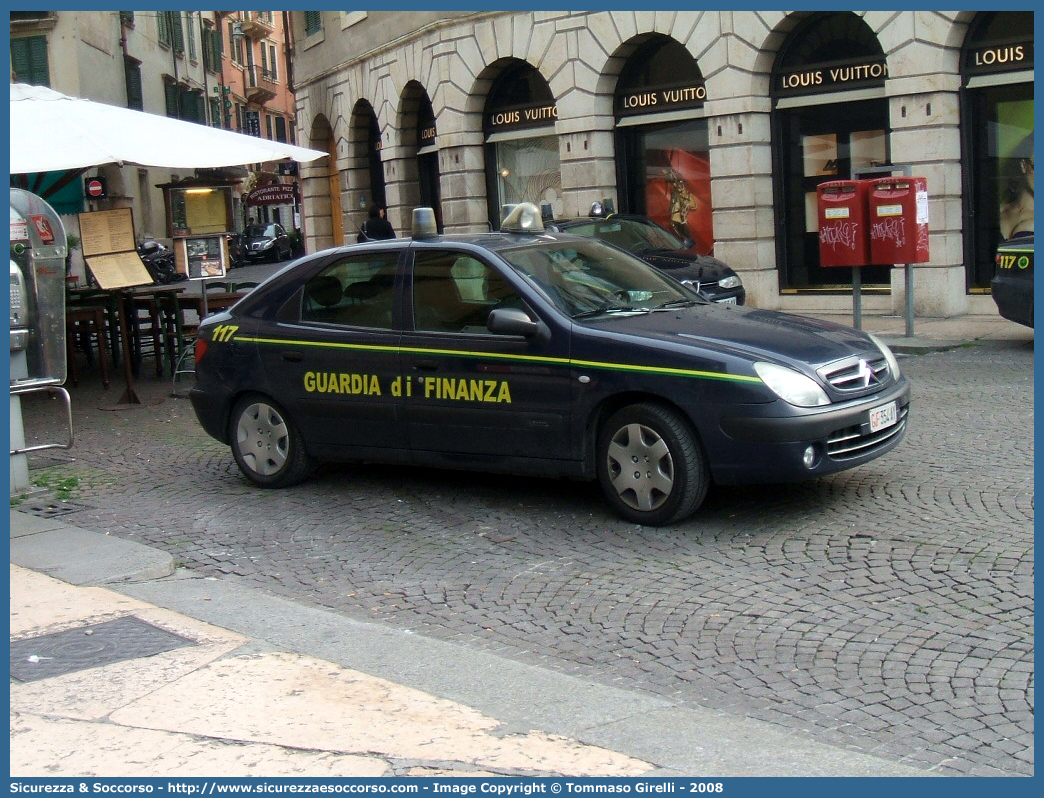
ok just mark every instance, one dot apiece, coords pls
pixel 1012 283
pixel 529 352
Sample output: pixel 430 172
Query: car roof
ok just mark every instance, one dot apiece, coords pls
pixel 489 241
pixel 632 217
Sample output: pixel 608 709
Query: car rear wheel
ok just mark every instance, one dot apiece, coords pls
pixel 650 465
pixel 266 444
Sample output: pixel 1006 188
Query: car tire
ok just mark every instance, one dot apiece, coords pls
pixel 266 444
pixel 651 465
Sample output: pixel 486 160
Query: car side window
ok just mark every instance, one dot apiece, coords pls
pixel 357 291
pixel 454 292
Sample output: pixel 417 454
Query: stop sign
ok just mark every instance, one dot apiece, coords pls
pixel 94 187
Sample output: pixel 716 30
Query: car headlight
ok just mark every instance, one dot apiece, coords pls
pixel 792 386
pixel 893 364
pixel 267 244
pixel 732 281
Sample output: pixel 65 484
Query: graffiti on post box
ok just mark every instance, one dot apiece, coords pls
pixel 889 228
pixel 844 235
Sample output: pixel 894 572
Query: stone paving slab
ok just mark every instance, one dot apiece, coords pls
pixel 886 611
pixel 187 711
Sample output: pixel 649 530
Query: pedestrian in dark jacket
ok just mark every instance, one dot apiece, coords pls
pixel 377 226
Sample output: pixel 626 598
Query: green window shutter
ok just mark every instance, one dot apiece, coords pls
pixel 208 61
pixel 135 95
pixel 280 129
pixel 313 22
pixel 192 107
pixel 177 32
pixel 212 49
pixel 29 61
pixel 163 27
pixel 170 94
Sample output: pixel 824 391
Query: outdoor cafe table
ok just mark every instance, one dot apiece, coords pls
pixel 165 316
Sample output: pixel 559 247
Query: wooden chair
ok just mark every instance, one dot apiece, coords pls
pixel 84 327
pixel 146 331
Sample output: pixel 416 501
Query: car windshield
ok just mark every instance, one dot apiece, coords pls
pixel 629 234
pixel 585 278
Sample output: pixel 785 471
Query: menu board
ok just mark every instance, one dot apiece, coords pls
pixel 118 270
pixel 201 257
pixel 107 242
pixel 102 232
pixel 199 211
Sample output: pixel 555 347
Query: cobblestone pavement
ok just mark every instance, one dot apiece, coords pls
pixel 888 609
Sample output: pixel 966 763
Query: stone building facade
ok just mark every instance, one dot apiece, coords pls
pixel 721 124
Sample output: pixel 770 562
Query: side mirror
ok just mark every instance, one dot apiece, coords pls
pixel 512 321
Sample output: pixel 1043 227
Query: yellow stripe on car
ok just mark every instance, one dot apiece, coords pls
pixel 557 361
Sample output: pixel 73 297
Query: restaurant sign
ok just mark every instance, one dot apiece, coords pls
pixel 282 194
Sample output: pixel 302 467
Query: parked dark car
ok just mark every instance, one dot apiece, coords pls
pixel 531 352
pixel 1012 283
pixel 266 242
pixel 658 246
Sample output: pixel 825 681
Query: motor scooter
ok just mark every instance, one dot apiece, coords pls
pixel 160 262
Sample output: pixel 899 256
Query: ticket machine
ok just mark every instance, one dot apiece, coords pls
pixel 37 303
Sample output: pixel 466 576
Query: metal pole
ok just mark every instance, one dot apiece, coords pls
pixel 909 301
pixel 857 298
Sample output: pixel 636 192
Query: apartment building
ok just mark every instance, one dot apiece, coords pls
pixel 224 69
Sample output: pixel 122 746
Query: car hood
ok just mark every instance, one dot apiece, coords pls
pixel 749 333
pixel 701 267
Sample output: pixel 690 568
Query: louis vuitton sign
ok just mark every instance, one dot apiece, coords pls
pixel 655 100
pixel 505 119
pixel 827 78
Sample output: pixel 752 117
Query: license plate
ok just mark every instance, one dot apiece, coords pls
pixel 727 301
pixel 883 417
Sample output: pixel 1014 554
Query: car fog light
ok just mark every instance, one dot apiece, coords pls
pixel 809 457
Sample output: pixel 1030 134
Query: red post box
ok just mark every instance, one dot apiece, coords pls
pixel 898 217
pixel 843 233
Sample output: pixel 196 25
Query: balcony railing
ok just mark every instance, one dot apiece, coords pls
pixel 257 24
pixel 260 86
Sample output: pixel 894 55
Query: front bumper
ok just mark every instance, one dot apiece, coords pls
pixel 753 446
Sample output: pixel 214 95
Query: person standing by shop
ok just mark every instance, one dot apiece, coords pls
pixel 377 226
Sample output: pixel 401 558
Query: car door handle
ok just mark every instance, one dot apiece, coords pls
pixel 293 357
pixel 426 365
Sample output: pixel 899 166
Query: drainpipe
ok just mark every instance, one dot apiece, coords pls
pixel 174 61
pixel 206 85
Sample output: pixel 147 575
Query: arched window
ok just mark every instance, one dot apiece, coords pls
pixel 997 125
pixel 661 135
pixel 830 122
pixel 522 160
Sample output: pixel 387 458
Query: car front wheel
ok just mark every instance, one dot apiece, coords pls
pixel 266 444
pixel 650 465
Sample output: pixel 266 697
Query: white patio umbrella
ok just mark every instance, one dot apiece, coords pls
pixel 52 132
